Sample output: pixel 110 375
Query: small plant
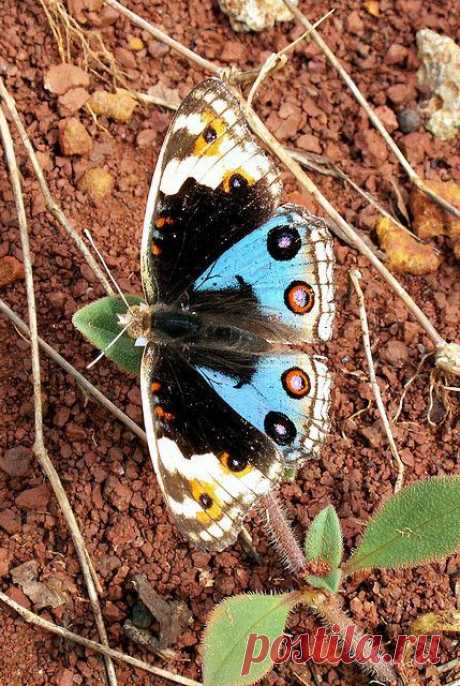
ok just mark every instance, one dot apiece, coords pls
pixel 418 525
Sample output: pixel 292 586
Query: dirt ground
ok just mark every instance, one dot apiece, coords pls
pixel 106 471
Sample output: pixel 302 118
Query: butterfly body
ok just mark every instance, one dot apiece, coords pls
pixel 231 283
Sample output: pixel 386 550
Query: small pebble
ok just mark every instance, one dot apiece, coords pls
pixel 409 120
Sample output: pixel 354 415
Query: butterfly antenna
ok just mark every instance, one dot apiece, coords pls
pixel 107 270
pixel 103 352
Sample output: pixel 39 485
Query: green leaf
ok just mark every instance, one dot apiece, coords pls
pixel 324 538
pixel 234 652
pixel 98 322
pixel 331 582
pixel 417 525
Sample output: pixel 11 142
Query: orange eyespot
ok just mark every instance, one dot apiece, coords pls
pixel 296 383
pixel 155 386
pixel 236 179
pixel 204 494
pixel 299 297
pixel 160 222
pixel 156 250
pixel 162 414
pixel 208 142
pixel 237 466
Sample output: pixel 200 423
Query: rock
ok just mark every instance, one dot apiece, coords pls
pixel 233 52
pixel 372 145
pixel 395 54
pixel 43 595
pixel 409 120
pixel 431 220
pixel 10 521
pixel 372 7
pixel 10 270
pixel 135 43
pixel 18 596
pixel 387 117
pixel 309 143
pixel 72 101
pixel 5 561
pixel 74 138
pixel 119 106
pixel 395 353
pixel 60 78
pixel 65 678
pixel 440 76
pixel 146 138
pixel 34 498
pixel 400 93
pixel 16 461
pixel 354 23
pixel 117 493
pixel 97 182
pixel 404 253
pixel 126 58
pixel 255 15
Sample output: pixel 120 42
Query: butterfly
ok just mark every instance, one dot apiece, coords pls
pixel 231 281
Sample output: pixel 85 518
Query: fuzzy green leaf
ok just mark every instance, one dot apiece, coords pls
pixel 331 582
pixel 324 538
pixel 417 525
pixel 228 645
pixel 98 322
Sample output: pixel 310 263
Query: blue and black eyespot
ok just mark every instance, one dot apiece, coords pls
pixel 283 242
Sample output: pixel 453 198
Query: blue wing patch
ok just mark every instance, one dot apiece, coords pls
pixel 285 397
pixel 288 263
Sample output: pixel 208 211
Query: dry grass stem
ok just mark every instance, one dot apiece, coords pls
pixel 39 443
pixel 69 369
pixel 32 618
pixel 72 38
pixel 355 277
pixel 50 202
pixel 411 173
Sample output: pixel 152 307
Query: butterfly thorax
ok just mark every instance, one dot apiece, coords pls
pixel 184 328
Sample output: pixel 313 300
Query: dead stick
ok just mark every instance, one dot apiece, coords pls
pixel 355 276
pixel 80 379
pixel 39 443
pixel 32 618
pixel 411 173
pixel 50 202
pixel 163 37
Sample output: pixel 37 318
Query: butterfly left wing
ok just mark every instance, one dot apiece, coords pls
pixel 212 185
pixel 211 463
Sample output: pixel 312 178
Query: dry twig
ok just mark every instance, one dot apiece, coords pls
pixel 355 277
pixel 69 369
pixel 50 202
pixel 411 173
pixel 32 618
pixel 39 443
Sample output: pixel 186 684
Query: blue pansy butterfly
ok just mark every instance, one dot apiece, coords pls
pixel 230 282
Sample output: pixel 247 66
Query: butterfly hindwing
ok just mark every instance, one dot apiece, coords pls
pixel 212 185
pixel 287 264
pixel 211 463
pixel 286 396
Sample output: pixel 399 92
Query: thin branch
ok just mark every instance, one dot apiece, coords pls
pixel 32 618
pixel 50 202
pixel 411 173
pixel 39 443
pixel 355 277
pixel 163 37
pixel 80 379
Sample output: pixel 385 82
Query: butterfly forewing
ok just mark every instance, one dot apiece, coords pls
pixel 213 184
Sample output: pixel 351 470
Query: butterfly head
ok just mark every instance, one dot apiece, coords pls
pixel 137 323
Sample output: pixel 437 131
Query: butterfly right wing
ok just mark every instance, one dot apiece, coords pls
pixel 212 465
